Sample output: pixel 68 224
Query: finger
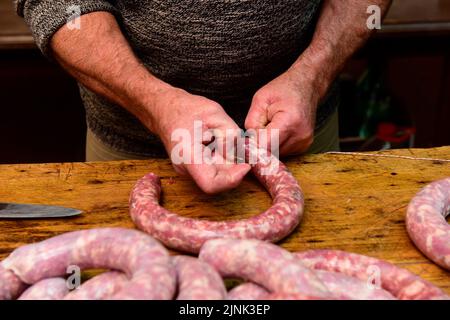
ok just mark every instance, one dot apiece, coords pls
pixel 229 173
pixel 230 176
pixel 221 122
pixel 226 146
pixel 278 131
pixel 214 174
pixel 225 133
pixel 214 179
pixel 257 117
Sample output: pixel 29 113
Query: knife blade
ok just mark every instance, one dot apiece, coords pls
pixel 34 211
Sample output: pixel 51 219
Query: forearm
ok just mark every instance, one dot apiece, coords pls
pixel 341 30
pixel 99 57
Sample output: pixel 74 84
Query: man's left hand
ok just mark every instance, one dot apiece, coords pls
pixel 287 103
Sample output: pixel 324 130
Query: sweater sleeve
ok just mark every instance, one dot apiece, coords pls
pixel 45 17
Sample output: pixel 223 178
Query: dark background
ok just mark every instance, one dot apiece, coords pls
pixel 42 119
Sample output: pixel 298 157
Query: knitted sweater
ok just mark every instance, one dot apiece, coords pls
pixel 224 50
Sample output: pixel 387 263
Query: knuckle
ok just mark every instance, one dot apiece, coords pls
pixel 307 138
pixel 257 99
pixel 248 123
pixel 208 188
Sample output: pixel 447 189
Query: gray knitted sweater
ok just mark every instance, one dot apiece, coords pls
pixel 222 49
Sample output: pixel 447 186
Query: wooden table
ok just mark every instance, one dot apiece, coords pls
pixel 354 203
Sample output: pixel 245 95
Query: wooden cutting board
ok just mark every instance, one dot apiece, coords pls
pixel 353 203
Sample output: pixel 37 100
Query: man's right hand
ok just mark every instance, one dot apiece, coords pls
pixel 175 109
pixel 99 57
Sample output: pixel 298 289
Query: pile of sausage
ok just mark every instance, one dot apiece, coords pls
pixel 274 273
pixel 139 267
pixel 425 220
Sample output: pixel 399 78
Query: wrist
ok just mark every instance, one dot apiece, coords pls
pixel 316 70
pixel 145 93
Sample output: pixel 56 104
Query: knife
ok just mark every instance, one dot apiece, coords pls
pixel 34 211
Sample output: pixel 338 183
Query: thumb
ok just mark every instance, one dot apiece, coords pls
pixel 257 115
pixel 213 179
pixel 276 130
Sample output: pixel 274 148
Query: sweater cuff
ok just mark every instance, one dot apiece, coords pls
pixel 45 17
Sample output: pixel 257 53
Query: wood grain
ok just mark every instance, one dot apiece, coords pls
pixel 353 203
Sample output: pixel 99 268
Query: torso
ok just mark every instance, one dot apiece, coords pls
pixel 222 49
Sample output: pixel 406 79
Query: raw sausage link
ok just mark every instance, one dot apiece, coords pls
pixel 290 296
pixel 10 285
pixel 401 283
pixel 47 289
pixel 263 263
pixel 340 285
pixel 344 287
pixel 187 234
pixel 145 261
pixel 426 224
pixel 100 287
pixel 247 291
pixel 197 280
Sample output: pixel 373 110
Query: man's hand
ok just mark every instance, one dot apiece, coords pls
pixel 288 104
pixel 175 110
pixel 99 57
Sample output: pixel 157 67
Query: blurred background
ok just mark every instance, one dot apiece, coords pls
pixel 395 91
